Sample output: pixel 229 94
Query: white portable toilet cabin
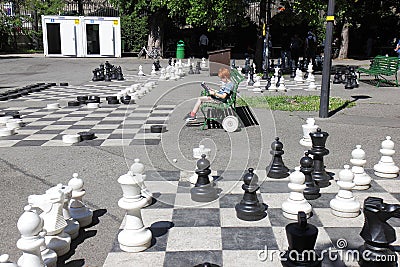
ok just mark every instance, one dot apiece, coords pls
pixel 71 36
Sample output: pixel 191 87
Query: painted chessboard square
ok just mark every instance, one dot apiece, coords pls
pixel 327 219
pixel 274 186
pixel 230 200
pixel 183 201
pixel 229 175
pixel 348 235
pixel 208 238
pixel 95 142
pixel 15 137
pixel 323 200
pixel 169 187
pixel 162 201
pixel 162 175
pixel 247 238
pixel 31 143
pixel 229 219
pixel 192 258
pixel 191 217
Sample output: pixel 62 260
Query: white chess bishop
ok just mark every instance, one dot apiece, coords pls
pixel 137 170
pixel 30 225
pixel 344 204
pixel 296 201
pixel 361 179
pixel 77 208
pixel 134 237
pixel 386 167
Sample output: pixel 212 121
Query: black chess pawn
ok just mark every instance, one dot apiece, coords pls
pixel 114 73
pixel 174 62
pixel 197 70
pixel 301 237
pixel 305 65
pixel 120 76
pixel 277 168
pixel 96 74
pixel 246 68
pixel 278 80
pixel 203 191
pixel 191 70
pixel 249 208
pixel 170 61
pixel 318 150
pixel 337 79
pixel 251 77
pixel 354 81
pixel 272 66
pixel 157 65
pixel 378 235
pixel 268 82
pixel 107 77
pixel 349 81
pixel 101 73
pixel 306 167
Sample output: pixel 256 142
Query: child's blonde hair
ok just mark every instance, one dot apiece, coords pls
pixel 224 73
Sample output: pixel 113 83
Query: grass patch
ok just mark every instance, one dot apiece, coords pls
pixel 292 103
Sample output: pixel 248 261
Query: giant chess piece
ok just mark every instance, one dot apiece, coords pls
pixel 51 204
pixel 101 73
pixel 361 179
pixel 203 190
pixel 157 65
pixel 30 225
pixel 140 72
pixel 77 208
pixel 197 153
pixel 246 67
pixel 250 81
pixel 386 167
pixel 348 80
pixel 312 190
pixel 72 227
pixel 293 70
pixel 337 79
pixel 137 170
pixel 318 150
pixel 134 237
pixel 309 127
pixel 277 168
pixel 249 208
pixel 302 237
pixel 344 204
pixel 4 261
pixel 378 234
pixel 120 75
pixel 191 70
pixel 296 201
pixel 197 69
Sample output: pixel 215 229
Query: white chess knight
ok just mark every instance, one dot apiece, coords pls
pixel 51 204
pixel 134 237
pixel 344 204
pixel 137 170
pixel 72 227
pixel 361 179
pixel 141 73
pixel 386 167
pixel 296 201
pixel 197 152
pixel 77 208
pixel 309 127
pixel 30 225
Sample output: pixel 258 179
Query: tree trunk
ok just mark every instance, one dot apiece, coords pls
pixel 344 46
pixel 156 33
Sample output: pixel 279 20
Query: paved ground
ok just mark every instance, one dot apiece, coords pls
pixel 32 170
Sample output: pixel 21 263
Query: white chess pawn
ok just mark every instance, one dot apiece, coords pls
pixel 77 208
pixel 361 179
pixel 239 69
pixel 30 225
pixel 309 127
pixel 4 261
pixel 273 84
pixel 312 86
pixel 153 70
pixel 72 227
pixel 281 86
pixel 137 170
pixel 162 76
pixel 299 76
pixel 197 152
pixel 296 201
pixel 203 63
pixel 344 204
pixel 134 237
pixel 188 63
pixel 141 73
pixel 386 167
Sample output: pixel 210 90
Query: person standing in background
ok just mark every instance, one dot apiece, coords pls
pixel 397 48
pixel 203 43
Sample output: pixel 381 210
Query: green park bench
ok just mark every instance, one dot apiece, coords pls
pixel 382 66
pixel 224 113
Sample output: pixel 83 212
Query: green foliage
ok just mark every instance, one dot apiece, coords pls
pixel 292 103
pixel 10 27
pixel 134 30
pixel 48 7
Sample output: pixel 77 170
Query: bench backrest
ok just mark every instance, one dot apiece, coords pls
pixel 237 78
pixel 389 64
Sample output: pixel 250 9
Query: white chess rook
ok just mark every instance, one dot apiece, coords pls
pixel 386 167
pixel 296 201
pixel 77 208
pixel 344 204
pixel 134 237
pixel 362 180
pixel 30 225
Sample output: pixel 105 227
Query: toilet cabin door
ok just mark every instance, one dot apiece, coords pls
pixel 68 39
pixel 107 37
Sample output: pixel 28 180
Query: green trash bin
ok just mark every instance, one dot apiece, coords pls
pixel 180 50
